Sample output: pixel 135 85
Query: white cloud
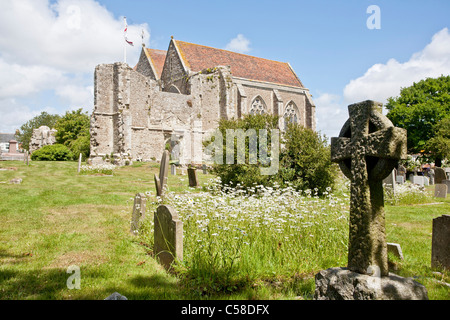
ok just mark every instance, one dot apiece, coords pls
pixel 382 81
pixel 239 44
pixel 331 114
pixel 52 49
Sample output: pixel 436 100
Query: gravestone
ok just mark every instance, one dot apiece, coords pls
pixel 447 183
pixel 431 176
pixel 79 163
pixel 440 190
pixel 161 180
pixel 440 249
pixel 116 296
pixel 426 181
pixel 400 179
pixel 192 175
pixel 168 233
pixel 367 149
pixel 418 180
pixel 140 202
pixel 439 175
pixel 401 171
pixel 173 170
pixel 204 169
pixel 389 181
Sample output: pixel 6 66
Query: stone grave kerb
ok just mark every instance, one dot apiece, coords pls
pixel 367 150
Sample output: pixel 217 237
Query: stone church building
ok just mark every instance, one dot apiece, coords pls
pixel 172 98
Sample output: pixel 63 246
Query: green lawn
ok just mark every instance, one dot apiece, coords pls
pixel 56 218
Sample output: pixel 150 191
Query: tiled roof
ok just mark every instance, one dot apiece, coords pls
pixel 197 57
pixel 6 137
pixel 157 57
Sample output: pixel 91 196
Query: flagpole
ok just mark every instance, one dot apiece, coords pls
pixel 125 44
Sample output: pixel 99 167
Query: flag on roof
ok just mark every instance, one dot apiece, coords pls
pixel 125 32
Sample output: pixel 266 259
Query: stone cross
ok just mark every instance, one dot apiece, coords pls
pixel 367 149
pixel 168 233
pixel 161 180
pixel 140 202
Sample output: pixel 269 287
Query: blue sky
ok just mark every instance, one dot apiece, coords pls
pixel 50 48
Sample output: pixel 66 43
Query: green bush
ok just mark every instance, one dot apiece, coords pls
pixel 305 160
pixel 55 152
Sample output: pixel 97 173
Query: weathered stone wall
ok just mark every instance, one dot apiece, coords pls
pixel 42 136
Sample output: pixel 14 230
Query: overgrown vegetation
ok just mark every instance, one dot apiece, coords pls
pixel 55 152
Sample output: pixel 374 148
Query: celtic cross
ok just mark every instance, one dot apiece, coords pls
pixel 367 149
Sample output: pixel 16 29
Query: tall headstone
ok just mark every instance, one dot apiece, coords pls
pixel 139 205
pixel 192 175
pixel 161 180
pixel 439 175
pixel 440 249
pixel 367 149
pixel 168 233
pixel 173 170
pixel 401 171
pixel 431 176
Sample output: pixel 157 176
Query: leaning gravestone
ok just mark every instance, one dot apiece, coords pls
pixel 192 175
pixel 440 248
pixel 367 149
pixel 168 233
pixel 439 175
pixel 161 180
pixel 140 202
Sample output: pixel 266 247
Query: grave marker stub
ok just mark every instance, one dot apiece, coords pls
pixel 140 201
pixel 168 233
pixel 367 149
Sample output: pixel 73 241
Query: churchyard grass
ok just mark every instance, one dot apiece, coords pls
pixel 266 246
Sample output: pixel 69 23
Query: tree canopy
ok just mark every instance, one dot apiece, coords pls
pixel 26 130
pixel 419 109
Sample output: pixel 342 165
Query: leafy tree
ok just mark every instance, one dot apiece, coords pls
pixel 418 109
pixel 73 131
pixel 439 145
pixel 26 130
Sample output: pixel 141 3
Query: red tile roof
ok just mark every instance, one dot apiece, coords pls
pixel 197 57
pixel 157 57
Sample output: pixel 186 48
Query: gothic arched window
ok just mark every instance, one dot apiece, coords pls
pixel 291 114
pixel 258 106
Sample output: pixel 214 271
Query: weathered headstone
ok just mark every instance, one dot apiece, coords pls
pixel 192 175
pixel 161 180
pixel 140 202
pixel 440 190
pixel 447 183
pixel 173 170
pixel 204 169
pixel 431 175
pixel 79 163
pixel 439 175
pixel 401 171
pixel 367 149
pixel 116 296
pixel 168 235
pixel 440 249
